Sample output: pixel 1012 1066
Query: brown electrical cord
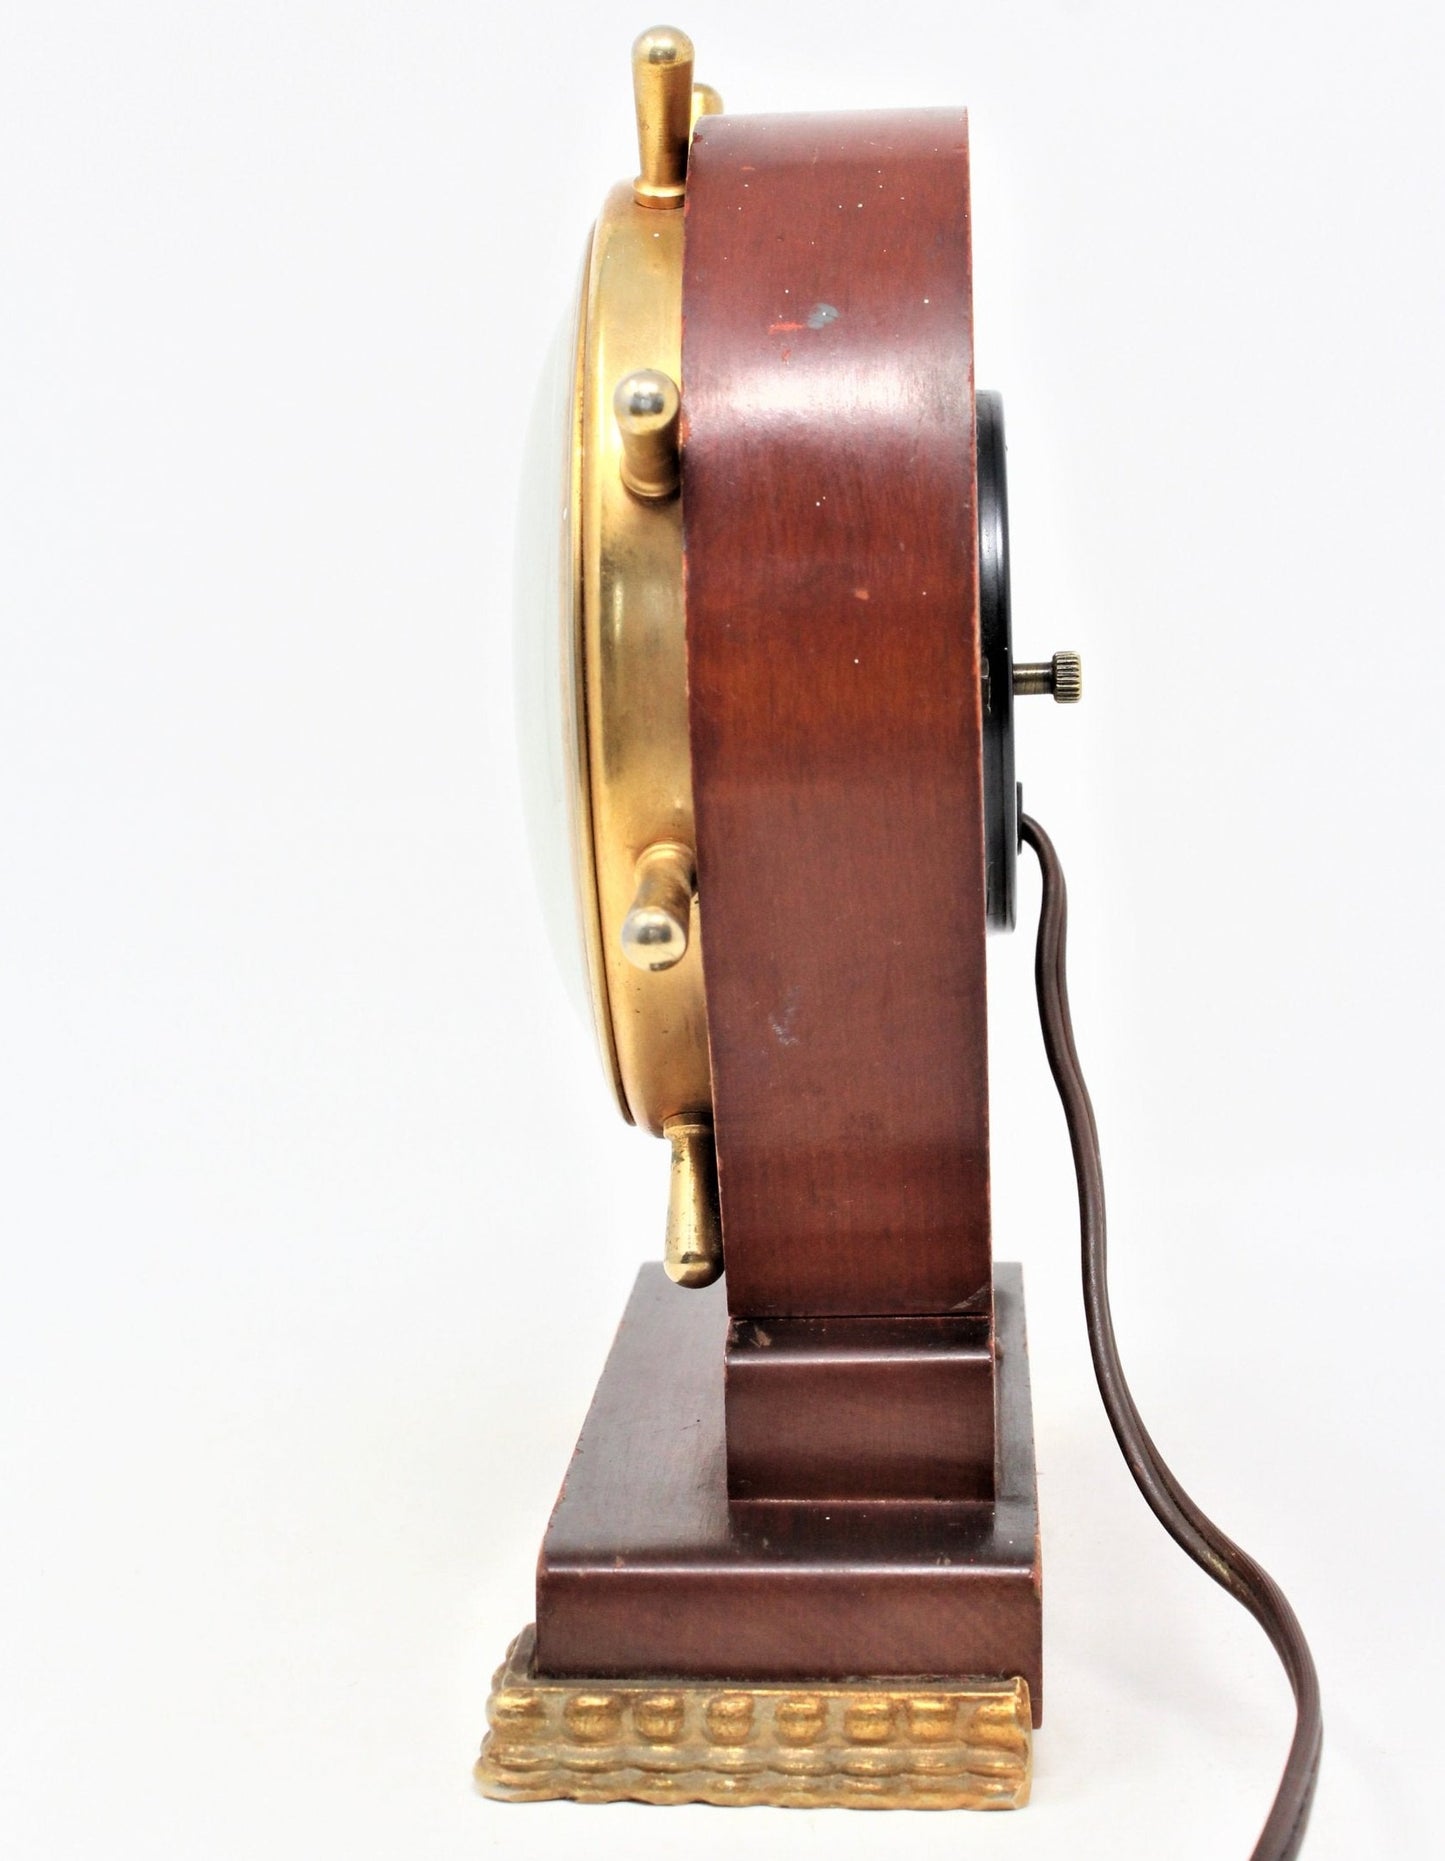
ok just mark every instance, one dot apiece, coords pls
pixel 1233 1569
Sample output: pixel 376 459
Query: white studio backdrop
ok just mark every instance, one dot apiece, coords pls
pixel 315 1219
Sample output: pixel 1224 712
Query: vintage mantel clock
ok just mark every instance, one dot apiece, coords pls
pixel 796 1556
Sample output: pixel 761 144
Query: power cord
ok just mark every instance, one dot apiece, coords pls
pixel 1233 1569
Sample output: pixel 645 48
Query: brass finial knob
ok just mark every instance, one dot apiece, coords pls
pixel 647 406
pixel 692 1253
pixel 1062 679
pixel 654 932
pixel 662 62
pixel 705 102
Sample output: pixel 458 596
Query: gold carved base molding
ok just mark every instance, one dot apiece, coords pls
pixel 858 1744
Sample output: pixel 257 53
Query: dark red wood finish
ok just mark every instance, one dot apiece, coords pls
pixel 859 1499
pixel 860 1408
pixel 648 1569
pixel 833 665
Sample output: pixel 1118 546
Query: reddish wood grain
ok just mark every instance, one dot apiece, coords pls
pixel 833 665
pixel 860 1408
pixel 859 1497
pixel 647 1569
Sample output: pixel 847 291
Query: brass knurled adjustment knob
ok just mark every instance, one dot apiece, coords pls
pixel 1062 679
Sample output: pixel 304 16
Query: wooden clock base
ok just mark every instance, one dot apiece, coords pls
pixel 652 1582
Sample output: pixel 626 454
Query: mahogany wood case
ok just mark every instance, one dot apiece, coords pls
pixel 824 1466
pixel 830 532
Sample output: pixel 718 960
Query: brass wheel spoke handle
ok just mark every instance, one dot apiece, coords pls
pixel 662 91
pixel 655 930
pixel 647 406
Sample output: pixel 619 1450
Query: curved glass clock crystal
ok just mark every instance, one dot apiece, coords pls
pixel 549 678
pixel 544 661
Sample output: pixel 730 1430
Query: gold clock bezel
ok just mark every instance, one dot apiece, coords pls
pixel 632 761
